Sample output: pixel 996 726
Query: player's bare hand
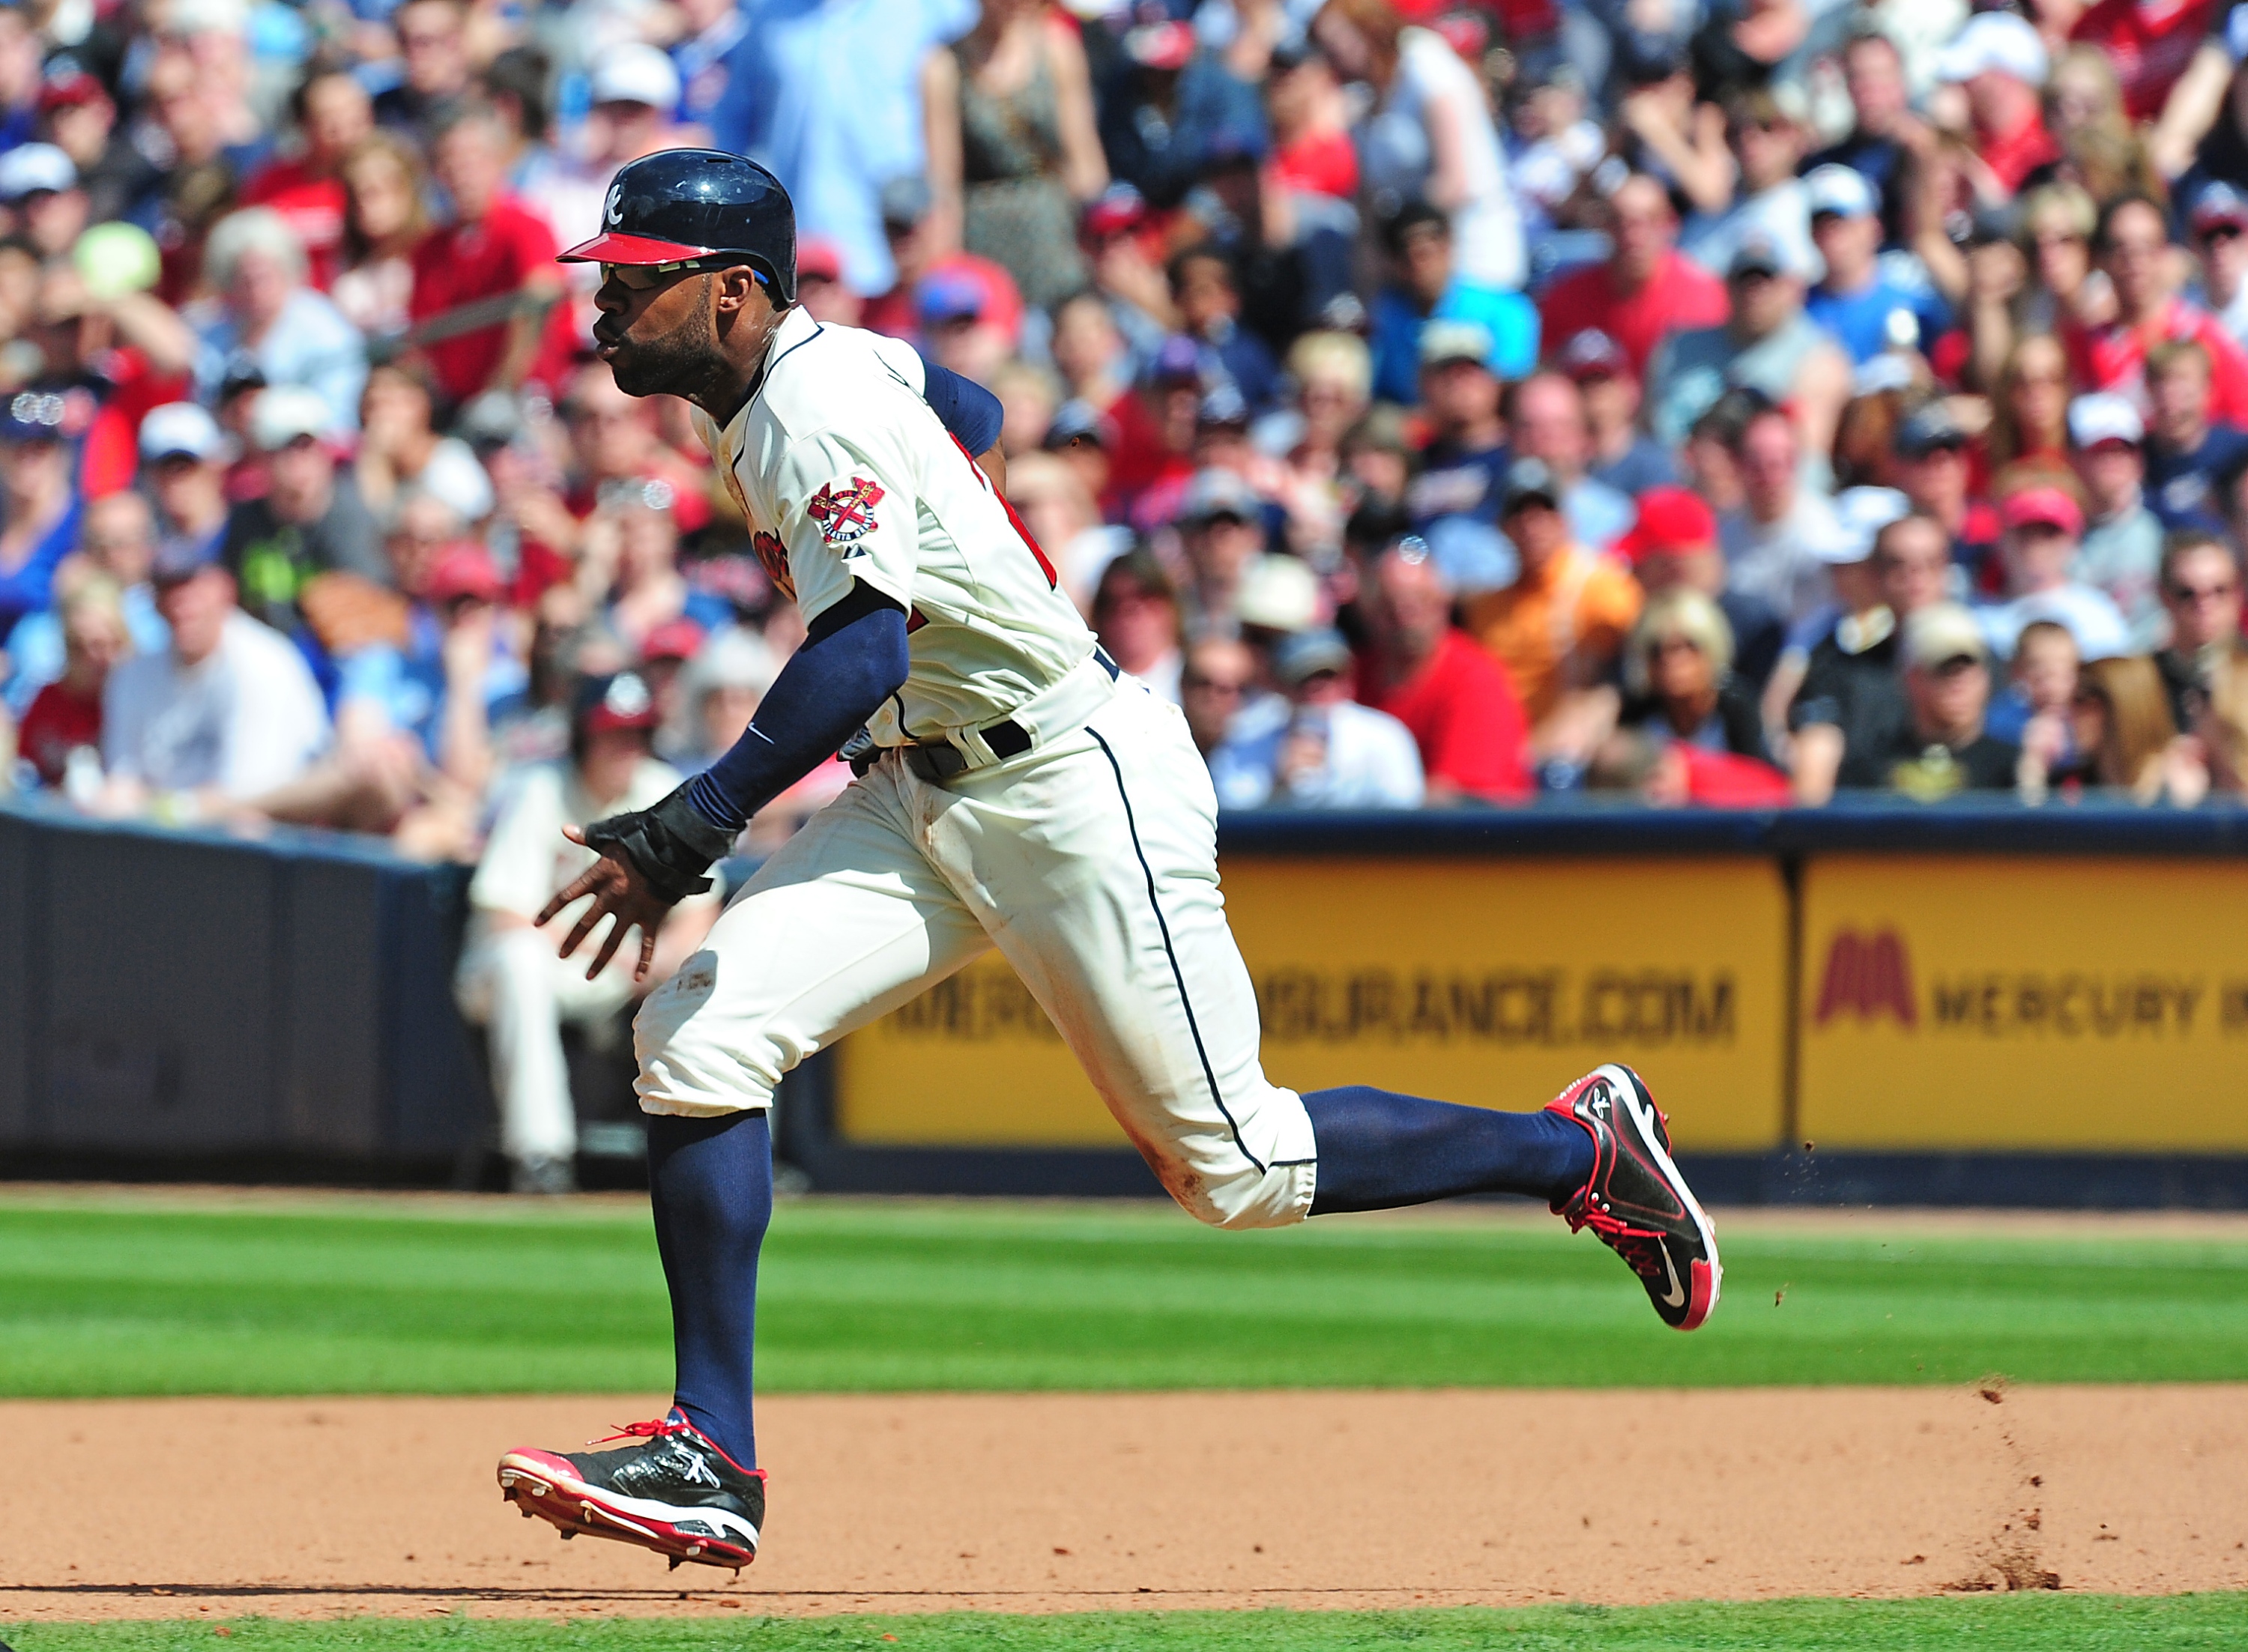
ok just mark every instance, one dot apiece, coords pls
pixel 619 893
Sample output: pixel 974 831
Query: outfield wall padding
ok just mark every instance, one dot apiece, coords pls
pixel 1963 1004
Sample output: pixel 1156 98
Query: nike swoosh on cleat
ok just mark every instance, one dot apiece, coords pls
pixel 1676 1294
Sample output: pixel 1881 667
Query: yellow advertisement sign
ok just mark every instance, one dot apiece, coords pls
pixel 2037 1004
pixel 1489 982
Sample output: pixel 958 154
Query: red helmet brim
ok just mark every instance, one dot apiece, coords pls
pixel 612 247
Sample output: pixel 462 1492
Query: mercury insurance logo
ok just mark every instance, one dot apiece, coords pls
pixel 1868 976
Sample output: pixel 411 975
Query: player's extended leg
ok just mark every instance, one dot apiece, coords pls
pixel 1096 871
pixel 845 923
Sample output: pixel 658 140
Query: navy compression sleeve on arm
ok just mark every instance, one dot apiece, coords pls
pixel 853 660
pixel 970 411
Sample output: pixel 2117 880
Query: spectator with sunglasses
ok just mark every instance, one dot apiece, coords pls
pixel 2219 221
pixel 2201 591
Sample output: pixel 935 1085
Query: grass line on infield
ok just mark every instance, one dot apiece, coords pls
pixel 120 1298
pixel 2006 1623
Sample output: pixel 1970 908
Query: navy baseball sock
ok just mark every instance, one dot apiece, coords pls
pixel 711 1181
pixel 1379 1149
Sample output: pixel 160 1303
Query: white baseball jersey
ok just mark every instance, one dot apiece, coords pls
pixel 846 474
pixel 1090 858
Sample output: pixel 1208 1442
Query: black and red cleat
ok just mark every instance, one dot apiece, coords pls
pixel 675 1492
pixel 1635 1199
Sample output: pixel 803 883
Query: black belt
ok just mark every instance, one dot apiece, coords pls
pixel 937 761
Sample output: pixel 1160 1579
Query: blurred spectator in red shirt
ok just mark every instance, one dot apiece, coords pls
pixel 1312 151
pixel 65 717
pixel 2149 43
pixel 2003 64
pixel 493 250
pixel 2134 245
pixel 1428 674
pixel 1647 288
pixel 334 116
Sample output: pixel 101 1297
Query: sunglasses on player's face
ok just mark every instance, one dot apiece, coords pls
pixel 643 277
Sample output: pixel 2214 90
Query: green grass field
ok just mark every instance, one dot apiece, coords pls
pixel 133 1298
pixel 146 1295
pixel 2041 1623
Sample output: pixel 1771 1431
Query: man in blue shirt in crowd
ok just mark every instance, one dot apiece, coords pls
pixel 1870 302
pixel 1424 289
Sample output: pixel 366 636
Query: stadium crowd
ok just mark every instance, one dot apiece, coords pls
pixel 1445 403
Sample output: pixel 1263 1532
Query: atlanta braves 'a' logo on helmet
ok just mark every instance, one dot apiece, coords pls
pixel 614 212
pixel 846 515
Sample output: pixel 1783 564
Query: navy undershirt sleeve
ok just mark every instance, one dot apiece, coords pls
pixel 970 411
pixel 853 660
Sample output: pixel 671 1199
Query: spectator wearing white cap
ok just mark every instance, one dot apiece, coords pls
pixel 1942 748
pixel 266 316
pixel 634 88
pixel 183 458
pixel 2001 61
pixel 39 188
pixel 1859 617
pixel 309 521
pixel 2121 551
pixel 1870 303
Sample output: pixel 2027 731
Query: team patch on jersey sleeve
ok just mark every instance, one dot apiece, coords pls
pixel 772 555
pixel 845 516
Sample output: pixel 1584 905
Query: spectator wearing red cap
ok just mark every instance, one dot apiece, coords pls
pixel 2043 528
pixel 510 980
pixel 1161 122
pixel 1674 547
pixel 1647 289
pixel 1428 674
pixel 1623 457
pixel 2133 243
pixel 819 286
pixel 333 116
pixel 77 116
pixel 310 521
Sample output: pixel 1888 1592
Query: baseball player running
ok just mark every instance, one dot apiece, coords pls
pixel 1020 794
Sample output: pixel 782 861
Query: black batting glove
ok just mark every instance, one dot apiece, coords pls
pixel 671 845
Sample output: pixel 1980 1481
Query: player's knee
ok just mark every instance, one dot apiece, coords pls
pixel 1252 1196
pixel 689 1066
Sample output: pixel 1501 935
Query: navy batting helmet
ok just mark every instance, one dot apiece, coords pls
pixel 685 206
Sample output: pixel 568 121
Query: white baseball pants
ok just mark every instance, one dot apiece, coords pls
pixel 1091 861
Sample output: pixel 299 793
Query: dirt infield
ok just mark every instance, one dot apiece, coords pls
pixel 1053 1502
